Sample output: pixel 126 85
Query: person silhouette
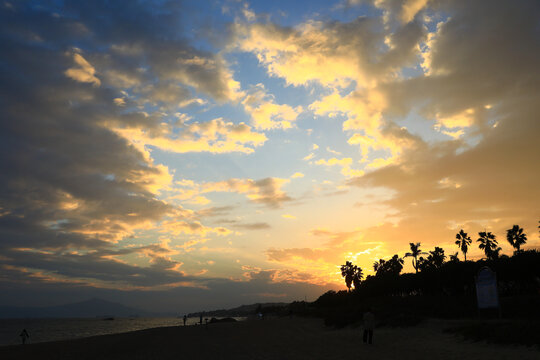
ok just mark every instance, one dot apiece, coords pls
pixel 200 319
pixel 185 319
pixel 24 335
pixel 369 324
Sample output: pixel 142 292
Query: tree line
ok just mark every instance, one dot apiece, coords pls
pixel 435 259
pixel 441 286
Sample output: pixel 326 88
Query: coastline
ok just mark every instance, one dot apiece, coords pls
pixel 283 338
pixel 59 329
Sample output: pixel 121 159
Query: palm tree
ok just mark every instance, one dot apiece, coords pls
pixel 516 237
pixel 489 244
pixel 347 271
pixel 392 266
pixel 357 278
pixel 415 252
pixel 463 241
pixel 436 257
pixel 378 265
pixel 352 274
pixel 422 264
pixel 395 264
pixel 435 260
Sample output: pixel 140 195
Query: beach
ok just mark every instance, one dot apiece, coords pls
pixel 283 338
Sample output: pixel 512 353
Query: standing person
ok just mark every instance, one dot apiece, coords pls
pixel 185 319
pixel 24 335
pixel 369 324
pixel 200 319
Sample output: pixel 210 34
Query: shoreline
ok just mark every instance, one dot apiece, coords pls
pixel 58 329
pixel 282 338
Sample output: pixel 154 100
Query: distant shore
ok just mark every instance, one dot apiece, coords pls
pixel 282 338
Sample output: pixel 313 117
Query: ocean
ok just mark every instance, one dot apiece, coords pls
pixel 41 330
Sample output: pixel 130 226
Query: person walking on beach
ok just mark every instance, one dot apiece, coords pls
pixel 369 324
pixel 24 335
pixel 185 319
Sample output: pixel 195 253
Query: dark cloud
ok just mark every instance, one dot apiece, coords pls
pixel 253 226
pixel 94 268
pixel 269 192
pixel 496 66
pixel 149 36
pixel 70 186
pixel 494 63
pixel 215 211
pixel 209 294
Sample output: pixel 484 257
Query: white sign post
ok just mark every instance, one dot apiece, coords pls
pixel 486 289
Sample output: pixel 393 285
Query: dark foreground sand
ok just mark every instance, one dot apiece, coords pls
pixel 272 339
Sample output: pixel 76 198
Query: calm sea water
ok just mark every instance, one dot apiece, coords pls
pixel 41 330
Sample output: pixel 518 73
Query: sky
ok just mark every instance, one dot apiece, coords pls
pixel 190 155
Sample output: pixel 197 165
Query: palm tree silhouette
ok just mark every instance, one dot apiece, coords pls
pixel 352 274
pixel 395 264
pixel 378 265
pixel 415 252
pixel 437 257
pixel 357 277
pixel 463 241
pixel 516 237
pixel 489 244
pixel 392 266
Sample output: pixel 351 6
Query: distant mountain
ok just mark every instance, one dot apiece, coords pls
pixel 244 310
pixel 89 308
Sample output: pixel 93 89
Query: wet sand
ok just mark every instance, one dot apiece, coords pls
pixel 285 338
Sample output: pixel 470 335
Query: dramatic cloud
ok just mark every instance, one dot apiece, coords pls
pixel 337 55
pixel 147 146
pixel 72 184
pixel 482 94
pixel 479 93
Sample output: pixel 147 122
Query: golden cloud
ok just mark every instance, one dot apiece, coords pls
pixel 266 114
pixel 344 163
pixel 264 191
pixel 314 51
pixel 214 136
pixel 83 72
pixel 176 227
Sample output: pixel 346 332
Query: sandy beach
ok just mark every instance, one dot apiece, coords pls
pixel 285 338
